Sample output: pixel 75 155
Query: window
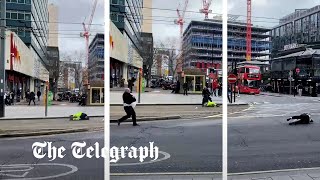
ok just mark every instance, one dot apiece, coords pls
pixel 28 1
pixel 114 2
pixel 14 15
pixel 114 17
pixel 21 1
pixel 28 17
pixel 13 1
pixel 21 16
pixel 7 15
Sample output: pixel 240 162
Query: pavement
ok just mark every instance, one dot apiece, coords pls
pixel 21 128
pixel 64 110
pixel 18 162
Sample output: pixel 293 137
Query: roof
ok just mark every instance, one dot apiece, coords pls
pixel 307 52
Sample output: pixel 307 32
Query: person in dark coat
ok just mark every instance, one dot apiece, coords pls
pixel 32 97
pixel 206 95
pixel 178 87
pixel 185 88
pixel 128 99
pixel 301 119
pixel 38 94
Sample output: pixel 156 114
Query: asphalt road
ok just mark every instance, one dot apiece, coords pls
pixel 17 160
pixel 191 145
pixel 260 139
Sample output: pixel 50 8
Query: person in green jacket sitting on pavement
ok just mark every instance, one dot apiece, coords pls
pixel 79 116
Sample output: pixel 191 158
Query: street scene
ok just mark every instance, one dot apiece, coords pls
pixel 166 88
pixel 53 88
pixel 277 136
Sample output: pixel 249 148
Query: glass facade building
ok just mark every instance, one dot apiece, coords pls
pixel 127 16
pixel 299 27
pixel 96 59
pixel 29 20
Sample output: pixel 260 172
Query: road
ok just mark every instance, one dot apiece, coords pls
pixel 191 145
pixel 17 151
pixel 260 139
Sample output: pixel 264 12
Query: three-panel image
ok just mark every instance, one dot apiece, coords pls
pixel 159 89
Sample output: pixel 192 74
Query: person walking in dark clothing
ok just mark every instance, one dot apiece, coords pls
pixel 38 94
pixel 128 99
pixel 131 83
pixel 32 97
pixel 185 88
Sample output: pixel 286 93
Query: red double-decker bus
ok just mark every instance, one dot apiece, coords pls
pixel 249 79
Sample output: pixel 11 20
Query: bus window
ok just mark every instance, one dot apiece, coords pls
pixel 254 71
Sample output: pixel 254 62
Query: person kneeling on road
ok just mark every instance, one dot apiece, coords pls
pixel 79 116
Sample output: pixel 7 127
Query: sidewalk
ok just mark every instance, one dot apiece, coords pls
pixel 161 98
pixel 37 111
pixel 18 128
pixel 295 174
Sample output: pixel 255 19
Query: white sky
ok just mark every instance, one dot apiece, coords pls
pixel 76 11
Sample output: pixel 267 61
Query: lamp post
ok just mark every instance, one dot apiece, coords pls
pixel 3 49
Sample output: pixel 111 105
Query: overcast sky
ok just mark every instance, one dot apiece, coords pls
pixel 260 8
pixel 75 11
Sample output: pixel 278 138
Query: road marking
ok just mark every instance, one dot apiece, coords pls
pixel 220 115
pixel 272 171
pixel 166 156
pixel 166 174
pixel 30 167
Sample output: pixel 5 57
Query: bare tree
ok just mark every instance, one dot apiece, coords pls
pixel 76 60
pixel 170 49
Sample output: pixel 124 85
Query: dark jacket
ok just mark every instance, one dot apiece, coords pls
pixel 205 93
pixel 32 95
pixel 185 85
pixel 38 93
pixel 128 98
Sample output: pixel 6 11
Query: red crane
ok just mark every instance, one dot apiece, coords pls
pixel 86 28
pixel 180 20
pixel 205 8
pixel 248 57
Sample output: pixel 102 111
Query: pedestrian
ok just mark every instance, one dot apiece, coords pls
pixel 27 94
pixel 131 83
pixel 178 87
pixel 214 87
pixel 32 97
pixel 39 94
pixel 12 97
pixel 7 99
pixel 185 88
pixel 128 105
pixel 206 96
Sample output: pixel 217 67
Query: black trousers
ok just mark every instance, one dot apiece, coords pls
pixel 32 99
pixel 185 92
pixel 130 113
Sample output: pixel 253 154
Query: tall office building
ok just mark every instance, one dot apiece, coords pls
pixel 126 16
pixel 147 16
pixel 202 43
pixel 299 27
pixel 29 19
pixel 96 59
pixel 53 26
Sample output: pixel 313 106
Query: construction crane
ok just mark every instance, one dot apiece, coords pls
pixel 86 28
pixel 205 8
pixel 180 20
pixel 248 56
